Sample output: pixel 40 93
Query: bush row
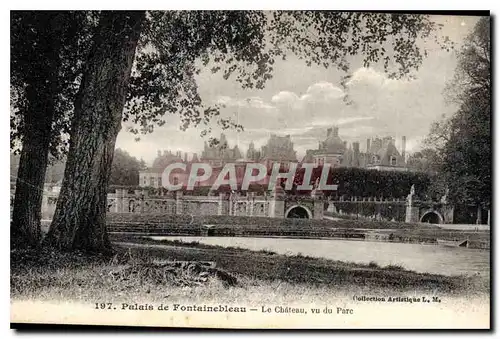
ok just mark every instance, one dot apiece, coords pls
pixel 387 211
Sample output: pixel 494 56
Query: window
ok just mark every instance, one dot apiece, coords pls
pixel 159 182
pixel 376 159
pixel 151 181
pixel 393 161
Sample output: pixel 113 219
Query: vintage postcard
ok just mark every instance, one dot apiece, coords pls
pixel 250 169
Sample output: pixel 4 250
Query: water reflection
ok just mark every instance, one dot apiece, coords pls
pixel 420 258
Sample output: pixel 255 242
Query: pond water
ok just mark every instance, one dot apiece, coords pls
pixel 416 257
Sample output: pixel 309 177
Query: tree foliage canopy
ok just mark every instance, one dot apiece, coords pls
pixel 466 136
pixel 43 42
pixel 175 46
pixel 125 169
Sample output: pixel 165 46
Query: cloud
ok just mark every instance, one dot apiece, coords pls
pixel 320 92
pixel 323 91
pixel 340 121
pixel 251 102
pixel 285 97
pixel 367 76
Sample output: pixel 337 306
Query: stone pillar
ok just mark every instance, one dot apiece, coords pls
pixel 230 203
pixel 318 204
pixel 119 195
pixel 277 202
pixel 223 207
pixel 250 203
pixel 447 213
pixel 412 213
pixel 331 207
pixel 378 208
pixel 178 202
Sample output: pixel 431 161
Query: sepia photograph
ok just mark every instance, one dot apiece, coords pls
pixel 250 169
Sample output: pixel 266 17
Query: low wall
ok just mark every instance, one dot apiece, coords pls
pixel 157 223
pixel 140 203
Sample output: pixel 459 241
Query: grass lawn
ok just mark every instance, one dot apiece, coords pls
pixel 143 271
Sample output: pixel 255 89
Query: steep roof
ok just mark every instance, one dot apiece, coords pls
pixel 279 148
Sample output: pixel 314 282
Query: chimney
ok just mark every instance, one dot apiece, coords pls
pixel 403 147
pixel 335 131
pixel 185 157
pixel 386 141
pixel 328 132
pixel 355 146
pixel 368 145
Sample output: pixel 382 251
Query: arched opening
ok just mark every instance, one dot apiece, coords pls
pixel 298 212
pixel 431 218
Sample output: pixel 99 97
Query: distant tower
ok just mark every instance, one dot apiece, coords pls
pixel 223 140
pixel 403 147
pixel 355 147
pixel 368 145
pixel 251 151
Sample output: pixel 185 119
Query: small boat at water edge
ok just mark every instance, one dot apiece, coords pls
pixel 453 243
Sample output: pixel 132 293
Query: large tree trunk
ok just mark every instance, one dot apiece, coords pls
pixel 40 76
pixel 25 227
pixel 80 218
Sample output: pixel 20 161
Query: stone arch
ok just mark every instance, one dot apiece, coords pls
pixel 432 217
pixel 298 211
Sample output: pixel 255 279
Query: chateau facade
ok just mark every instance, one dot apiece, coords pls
pixel 380 154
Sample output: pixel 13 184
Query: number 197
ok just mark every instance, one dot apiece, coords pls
pixel 103 306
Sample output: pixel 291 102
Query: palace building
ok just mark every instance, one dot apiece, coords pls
pixel 220 154
pixel 380 154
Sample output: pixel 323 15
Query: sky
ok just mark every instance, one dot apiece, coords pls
pixel 304 101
